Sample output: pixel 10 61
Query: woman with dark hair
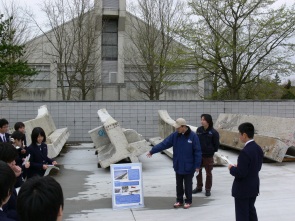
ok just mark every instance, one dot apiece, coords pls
pixel 209 140
pixel 39 160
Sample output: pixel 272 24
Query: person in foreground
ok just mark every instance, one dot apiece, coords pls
pixel 245 187
pixel 7 180
pixel 187 158
pixel 40 199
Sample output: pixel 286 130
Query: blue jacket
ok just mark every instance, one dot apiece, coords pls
pixel 209 140
pixel 38 157
pixel 187 153
pixel 246 183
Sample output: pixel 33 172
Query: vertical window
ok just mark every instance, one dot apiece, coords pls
pixel 110 40
pixel 110 4
pixel 208 87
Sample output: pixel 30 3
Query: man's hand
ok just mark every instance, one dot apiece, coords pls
pixel 149 155
pixel 45 166
pixel 54 163
pixel 197 170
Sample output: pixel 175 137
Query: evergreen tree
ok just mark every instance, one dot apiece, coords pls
pixel 14 69
pixel 277 79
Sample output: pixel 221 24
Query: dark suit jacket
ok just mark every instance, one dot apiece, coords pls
pixel 37 159
pixel 246 183
pixel 7 136
pixel 3 217
pixel 10 207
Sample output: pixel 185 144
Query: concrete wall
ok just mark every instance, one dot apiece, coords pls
pixel 142 116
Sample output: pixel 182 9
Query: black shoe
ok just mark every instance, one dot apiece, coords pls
pixel 208 193
pixel 196 190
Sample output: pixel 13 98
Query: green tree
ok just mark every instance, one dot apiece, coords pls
pixel 14 69
pixel 288 91
pixel 277 79
pixel 238 41
pixel 288 95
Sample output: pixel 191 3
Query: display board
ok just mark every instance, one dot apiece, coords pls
pixel 127 185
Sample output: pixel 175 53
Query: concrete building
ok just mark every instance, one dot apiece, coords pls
pixel 106 78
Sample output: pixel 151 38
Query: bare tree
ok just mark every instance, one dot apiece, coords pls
pixel 154 56
pixel 237 42
pixel 72 45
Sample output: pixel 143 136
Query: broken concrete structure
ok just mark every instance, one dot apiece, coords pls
pixel 166 128
pixel 55 138
pixel 114 143
pixel 275 135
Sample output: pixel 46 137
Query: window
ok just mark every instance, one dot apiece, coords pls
pixel 112 77
pixel 110 4
pixel 110 40
pixel 42 79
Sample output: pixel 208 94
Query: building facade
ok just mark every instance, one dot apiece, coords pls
pixel 107 76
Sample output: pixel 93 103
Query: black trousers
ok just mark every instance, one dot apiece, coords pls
pixel 245 209
pixel 187 180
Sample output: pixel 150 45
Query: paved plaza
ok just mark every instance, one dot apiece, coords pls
pixel 87 190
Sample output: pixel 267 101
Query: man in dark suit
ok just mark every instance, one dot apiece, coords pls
pixel 4 136
pixel 245 187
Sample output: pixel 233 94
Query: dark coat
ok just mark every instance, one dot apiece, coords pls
pixel 38 157
pixel 187 153
pixel 3 217
pixel 10 207
pixel 246 183
pixel 209 140
pixel 7 136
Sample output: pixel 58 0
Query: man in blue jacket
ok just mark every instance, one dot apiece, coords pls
pixel 245 187
pixel 187 158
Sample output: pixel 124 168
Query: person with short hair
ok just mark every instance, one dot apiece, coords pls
pixel 17 139
pixel 245 187
pixel 209 140
pixel 186 159
pixel 20 126
pixel 40 199
pixel 7 180
pixel 38 151
pixel 4 127
pixel 8 154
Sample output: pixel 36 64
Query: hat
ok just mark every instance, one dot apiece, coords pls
pixel 179 122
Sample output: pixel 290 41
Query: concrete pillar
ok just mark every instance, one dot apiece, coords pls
pixel 53 82
pixel 121 36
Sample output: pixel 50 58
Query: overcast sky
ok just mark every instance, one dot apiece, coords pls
pixel 33 4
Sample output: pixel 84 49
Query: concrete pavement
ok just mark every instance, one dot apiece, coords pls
pixel 87 190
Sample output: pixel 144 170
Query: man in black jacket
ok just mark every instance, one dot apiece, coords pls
pixel 4 135
pixel 245 187
pixel 209 140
